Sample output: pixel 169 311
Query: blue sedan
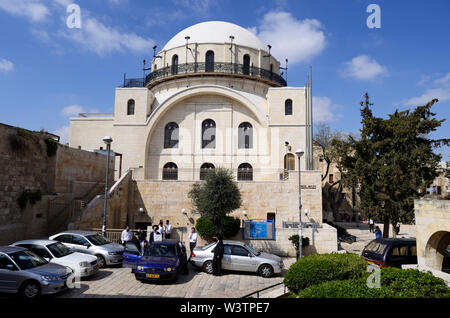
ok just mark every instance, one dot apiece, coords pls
pixel 163 260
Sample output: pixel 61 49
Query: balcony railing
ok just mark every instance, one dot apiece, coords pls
pixel 206 68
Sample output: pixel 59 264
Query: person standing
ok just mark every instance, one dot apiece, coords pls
pixel 156 235
pixel 144 247
pixel 161 227
pixel 192 241
pixel 218 255
pixel 397 228
pixel 136 241
pixel 378 233
pixel 126 235
pixel 371 224
pixel 167 230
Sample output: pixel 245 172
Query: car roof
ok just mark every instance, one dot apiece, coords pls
pixel 397 241
pixel 11 249
pixel 84 233
pixel 170 242
pixel 36 241
pixel 233 242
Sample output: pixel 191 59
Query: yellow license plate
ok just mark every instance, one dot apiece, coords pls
pixel 152 275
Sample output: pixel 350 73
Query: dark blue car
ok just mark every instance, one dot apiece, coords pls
pixel 163 260
pixel 131 256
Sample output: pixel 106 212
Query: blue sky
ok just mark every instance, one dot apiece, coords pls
pixel 49 72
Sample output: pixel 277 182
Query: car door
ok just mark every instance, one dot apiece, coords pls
pixel 66 239
pixel 412 255
pixel 226 260
pixel 398 256
pixel 81 244
pixel 10 278
pixel 131 255
pixel 242 259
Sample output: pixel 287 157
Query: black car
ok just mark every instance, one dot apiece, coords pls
pixel 390 252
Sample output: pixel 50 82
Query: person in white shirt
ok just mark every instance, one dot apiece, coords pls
pixel 192 240
pixel 126 235
pixel 371 224
pixel 157 234
pixel 167 230
pixel 161 227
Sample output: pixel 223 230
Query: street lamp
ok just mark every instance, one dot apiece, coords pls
pixel 299 153
pixel 107 140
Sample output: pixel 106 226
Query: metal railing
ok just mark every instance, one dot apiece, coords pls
pixel 257 293
pixel 206 68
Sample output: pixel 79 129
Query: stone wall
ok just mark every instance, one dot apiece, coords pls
pixel 61 178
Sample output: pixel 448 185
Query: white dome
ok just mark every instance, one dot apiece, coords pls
pixel 215 32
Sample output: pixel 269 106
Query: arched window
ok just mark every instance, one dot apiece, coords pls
pixel 170 171
pixel 205 169
pixel 209 61
pixel 209 134
pixel 245 136
pixel 245 172
pixel 175 64
pixel 246 67
pixel 288 107
pixel 289 162
pixel 171 136
pixel 130 107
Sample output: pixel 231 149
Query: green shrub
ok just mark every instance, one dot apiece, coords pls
pixel 52 147
pixel 395 283
pixel 294 240
pixel 318 268
pixel 205 228
pixel 231 226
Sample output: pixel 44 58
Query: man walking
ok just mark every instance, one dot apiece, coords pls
pixel 371 224
pixel 378 233
pixel 218 255
pixel 126 235
pixel 192 241
pixel 167 230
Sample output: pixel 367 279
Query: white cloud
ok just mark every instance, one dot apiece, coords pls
pixel 324 110
pixel 6 66
pixel 34 10
pixel 440 89
pixel 72 110
pixel 63 133
pixel 364 68
pixel 297 40
pixel 102 39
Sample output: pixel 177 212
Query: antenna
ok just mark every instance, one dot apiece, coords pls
pixel 154 53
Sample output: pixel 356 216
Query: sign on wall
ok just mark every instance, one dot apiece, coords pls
pixel 258 229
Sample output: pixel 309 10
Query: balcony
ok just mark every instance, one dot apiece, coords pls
pixel 208 69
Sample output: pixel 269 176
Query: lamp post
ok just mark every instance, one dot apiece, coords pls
pixel 107 140
pixel 299 153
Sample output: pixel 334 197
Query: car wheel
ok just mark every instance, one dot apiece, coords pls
pixel 101 261
pixel 266 271
pixel 30 290
pixel 208 267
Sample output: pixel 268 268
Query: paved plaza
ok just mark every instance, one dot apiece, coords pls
pixel 120 282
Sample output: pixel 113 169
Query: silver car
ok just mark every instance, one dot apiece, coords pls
pixel 22 271
pixel 90 242
pixel 238 256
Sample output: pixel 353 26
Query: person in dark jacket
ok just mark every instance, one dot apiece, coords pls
pixel 218 255
pixel 136 240
pixel 152 235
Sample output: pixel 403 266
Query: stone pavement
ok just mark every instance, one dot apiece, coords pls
pixel 120 282
pixel 363 236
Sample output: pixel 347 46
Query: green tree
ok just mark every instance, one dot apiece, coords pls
pixel 391 161
pixel 216 197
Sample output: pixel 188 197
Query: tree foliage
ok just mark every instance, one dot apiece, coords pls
pixel 216 197
pixel 392 161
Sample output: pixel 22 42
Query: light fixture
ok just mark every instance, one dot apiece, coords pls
pixel 244 213
pixel 306 212
pixel 300 152
pixel 141 210
pixel 183 211
pixel 107 140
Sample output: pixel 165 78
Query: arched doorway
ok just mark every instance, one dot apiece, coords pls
pixel 289 162
pixel 437 251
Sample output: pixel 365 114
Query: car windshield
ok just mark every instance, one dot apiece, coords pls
pixel 161 250
pixel 204 248
pixel 59 250
pixel 251 249
pixel 376 247
pixel 98 239
pixel 27 259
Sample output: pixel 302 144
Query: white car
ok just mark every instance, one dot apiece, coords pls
pixel 83 265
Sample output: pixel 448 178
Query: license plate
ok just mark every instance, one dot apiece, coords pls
pixel 152 275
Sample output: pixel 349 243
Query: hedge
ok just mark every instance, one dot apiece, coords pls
pixel 318 268
pixel 395 283
pixel 205 227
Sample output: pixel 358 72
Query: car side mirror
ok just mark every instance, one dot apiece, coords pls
pixel 87 245
pixel 250 255
pixel 10 267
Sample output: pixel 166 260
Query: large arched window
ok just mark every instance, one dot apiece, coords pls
pixel 209 134
pixel 171 136
pixel 130 107
pixel 288 107
pixel 170 171
pixel 246 67
pixel 209 61
pixel 245 172
pixel 175 64
pixel 205 169
pixel 245 136
pixel 289 162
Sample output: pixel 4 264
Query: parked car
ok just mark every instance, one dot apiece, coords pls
pixel 162 261
pixel 84 265
pixel 24 272
pixel 238 256
pixel 131 256
pixel 390 252
pixel 90 242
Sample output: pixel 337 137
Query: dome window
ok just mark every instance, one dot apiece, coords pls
pixel 171 136
pixel 209 134
pixel 245 136
pixel 175 64
pixel 209 61
pixel 130 107
pixel 246 66
pixel 288 107
pixel 170 171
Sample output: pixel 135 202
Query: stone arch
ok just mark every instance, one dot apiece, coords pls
pixel 435 249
